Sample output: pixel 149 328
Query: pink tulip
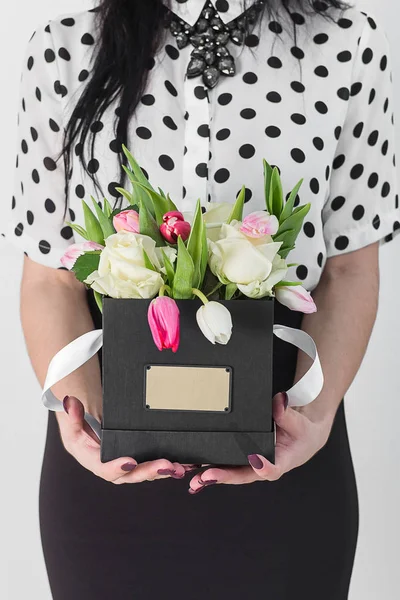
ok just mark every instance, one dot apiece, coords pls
pixel 74 251
pixel 296 298
pixel 259 223
pixel 174 225
pixel 163 318
pixel 127 220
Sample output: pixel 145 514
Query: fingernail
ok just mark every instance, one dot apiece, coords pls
pixel 128 466
pixel 285 400
pixel 207 481
pixel 255 461
pixel 166 471
pixel 65 401
pixel 196 491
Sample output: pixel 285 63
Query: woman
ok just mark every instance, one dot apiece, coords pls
pixel 311 93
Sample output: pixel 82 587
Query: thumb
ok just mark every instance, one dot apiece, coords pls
pixel 285 417
pixel 76 413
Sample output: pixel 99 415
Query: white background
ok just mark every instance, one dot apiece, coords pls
pixel 373 407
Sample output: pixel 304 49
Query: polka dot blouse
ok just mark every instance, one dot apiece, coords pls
pixel 321 110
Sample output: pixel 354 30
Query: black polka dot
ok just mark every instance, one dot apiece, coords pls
pixel 204 130
pixel 343 93
pixel 49 206
pixel 247 194
pixel 30 63
pixel 172 51
pixel 309 229
pixel 38 94
pixel 44 247
pixel 373 180
pixel 298 119
pixel 224 99
pixel 24 146
pixel 68 22
pixel 50 164
pixel 202 170
pixel 252 40
pixel 383 63
pixel 248 113
pixel 170 123
pixel 320 259
pixel 357 171
pixel 49 55
pixel 385 147
pixel 297 86
pixel 344 23
pixel 358 129
pixel 93 166
pixel 373 137
pixel 318 143
pixel 298 155
pixel 297 52
pixel 223 134
pixel 80 191
pixel 297 18
pixel 272 131
pixel 200 92
pixel 321 107
pixel 274 97
pixel 54 126
pixel 222 175
pixel 376 222
pixel 386 105
pixel 302 272
pixel 148 99
pixel 274 62
pixel 143 133
pixel 13 203
pixel 372 95
pixel 321 38
pixel 166 162
pixel 356 88
pixel 35 176
pixel 83 75
pixel 358 212
pixel 275 27
pixel 247 151
pixel 66 232
pixel 338 131
pixel 250 78
pixel 338 161
pixel 344 56
pixel 337 202
pixel 314 185
pixel 29 217
pixel 87 39
pixel 64 54
pixel 171 88
pixel 19 229
pixel 367 55
pixel 385 189
pixel 116 146
pixel 341 242
pixel 321 71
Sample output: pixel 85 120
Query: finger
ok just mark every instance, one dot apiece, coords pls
pixel 75 412
pixel 156 469
pixel 265 469
pixel 228 475
pixel 285 417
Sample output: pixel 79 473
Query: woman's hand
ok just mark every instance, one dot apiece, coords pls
pixel 80 441
pixel 300 433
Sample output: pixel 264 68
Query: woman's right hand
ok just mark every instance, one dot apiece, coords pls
pixel 82 443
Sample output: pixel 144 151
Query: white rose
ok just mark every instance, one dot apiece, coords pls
pixel 260 289
pixel 236 258
pixel 122 272
pixel 215 216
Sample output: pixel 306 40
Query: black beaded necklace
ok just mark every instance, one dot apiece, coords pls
pixel 210 36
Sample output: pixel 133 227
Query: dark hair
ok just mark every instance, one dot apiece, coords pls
pixel 129 34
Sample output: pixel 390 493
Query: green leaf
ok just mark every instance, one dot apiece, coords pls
pixel 171 204
pixel 78 230
pixel 148 226
pixel 267 183
pixel 138 194
pixel 288 208
pixel 147 262
pixel 104 221
pixel 120 210
pixel 276 194
pixel 85 265
pixel 93 229
pixel 194 244
pixel 107 208
pixel 183 279
pixel 295 221
pixel 160 205
pixel 169 269
pixel 204 254
pixel 237 211
pixel 162 193
pixel 230 290
pixel 140 176
pixel 99 300
pixel 125 194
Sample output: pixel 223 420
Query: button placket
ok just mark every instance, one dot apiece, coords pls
pixel 195 160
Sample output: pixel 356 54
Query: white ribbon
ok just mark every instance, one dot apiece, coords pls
pixel 78 352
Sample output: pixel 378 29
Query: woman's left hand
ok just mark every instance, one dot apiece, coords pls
pixel 300 433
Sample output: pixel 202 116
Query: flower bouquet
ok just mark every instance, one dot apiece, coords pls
pixel 167 280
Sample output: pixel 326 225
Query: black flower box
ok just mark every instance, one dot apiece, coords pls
pixel 204 404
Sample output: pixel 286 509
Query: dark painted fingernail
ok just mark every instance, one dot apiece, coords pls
pixel 255 461
pixel 128 466
pixel 196 491
pixel 210 481
pixel 65 403
pixel 166 471
pixel 285 400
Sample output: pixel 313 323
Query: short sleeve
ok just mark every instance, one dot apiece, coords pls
pixel 36 220
pixel 363 206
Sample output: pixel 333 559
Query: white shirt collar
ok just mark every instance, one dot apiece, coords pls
pixel 189 10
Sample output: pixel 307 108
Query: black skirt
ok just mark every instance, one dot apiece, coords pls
pixel 293 538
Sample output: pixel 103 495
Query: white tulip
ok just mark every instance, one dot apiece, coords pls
pixel 215 322
pixel 122 272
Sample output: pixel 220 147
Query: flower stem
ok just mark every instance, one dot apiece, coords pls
pixel 215 289
pixel 165 288
pixel 200 295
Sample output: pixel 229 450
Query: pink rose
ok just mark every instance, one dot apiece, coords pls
pixel 259 223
